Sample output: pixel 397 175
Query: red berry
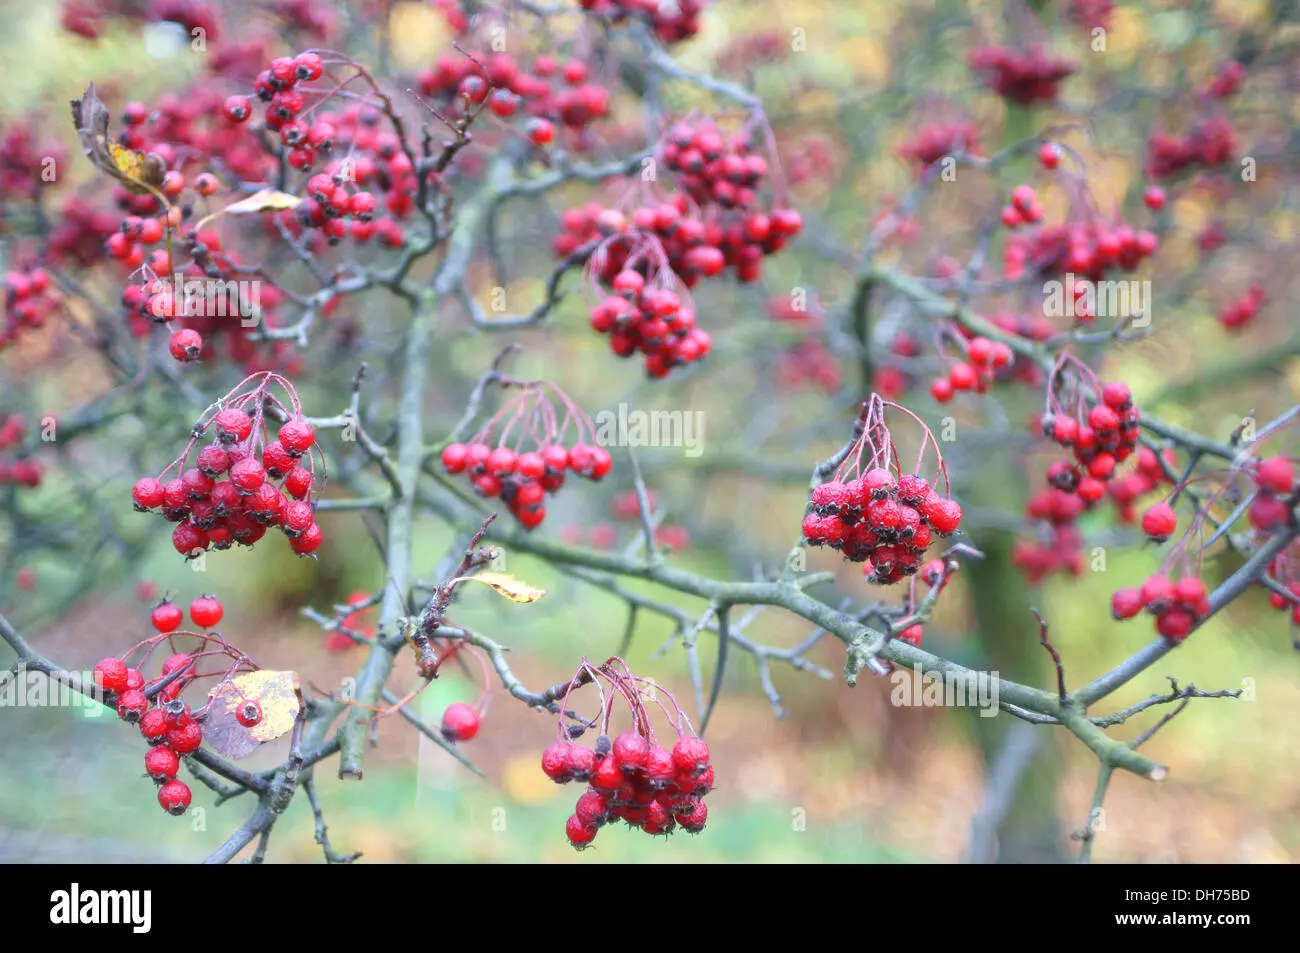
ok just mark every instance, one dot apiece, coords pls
pixel 1175 625
pixel 206 611
pixel 459 722
pixel 1154 197
pixel 1274 475
pixel 185 737
pixel 1157 592
pixel 1126 603
pixel 131 705
pixel 1103 419
pixel 911 635
pixel 941 389
pixel 555 762
pixel 161 763
pixel 607 776
pixel 174 796
pixel 233 425
pixel 630 752
pixel 110 675
pixel 237 108
pixel 248 475
pixel 540 131
pixel 297 437
pixel 581 762
pixel 276 460
pixel 249 713
pixel 147 494
pixel 690 755
pixel 941 513
pixel 297 518
pixel 454 457
pixel 1160 521
pixel 1190 591
pixel 167 616
pixel 308 541
pixel 185 345
pixel 580 834
pixel 1115 395
pixel 963 376
pixel 153 725
pixel 1049 154
pixel 298 483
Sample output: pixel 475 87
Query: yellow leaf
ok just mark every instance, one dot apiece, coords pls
pixel 508 586
pixel 277 693
pixel 267 200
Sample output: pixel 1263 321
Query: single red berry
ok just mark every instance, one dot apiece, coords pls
pixel 247 475
pixel 249 713
pixel 185 737
pixel 298 482
pixel 580 834
pixel 297 518
pixel 693 818
pixel 233 425
pixel 540 131
pixel 1126 603
pixel 1275 475
pixel 455 456
pixel 213 461
pixel 607 776
pixel 110 675
pixel 690 755
pixel 630 752
pixel 297 437
pixel 1175 625
pixel 276 460
pixel 237 108
pixel 941 513
pixel 1103 419
pixel 1049 154
pixel 591 809
pixel 459 722
pixel 153 725
pixel 581 762
pixel 911 635
pixel 308 541
pixel 167 616
pixel 147 494
pixel 206 611
pixel 1117 396
pixel 175 796
pixel 1157 592
pixel 161 763
pixel 131 705
pixel 1154 197
pixel 1160 521
pixel 962 376
pixel 555 762
pixel 1190 591
pixel 941 389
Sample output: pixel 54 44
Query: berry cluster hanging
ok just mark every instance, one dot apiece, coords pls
pixel 267 483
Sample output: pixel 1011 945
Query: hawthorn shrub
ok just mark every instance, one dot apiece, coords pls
pixel 926 296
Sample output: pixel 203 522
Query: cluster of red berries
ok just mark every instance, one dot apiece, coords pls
pixel 212 512
pixel 1211 143
pixel 1242 310
pixel 275 86
pixel 1178 607
pixel 809 362
pixel 1226 81
pixel 671 22
pixel 522 480
pixel 510 88
pixel 1108 437
pixel 631 779
pixel 984 360
pixel 1271 509
pixel 1025 76
pixel 1086 249
pixel 651 319
pixel 25 473
pixel 884 522
pixel 1023 209
pixel 29 299
pixel 932 141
